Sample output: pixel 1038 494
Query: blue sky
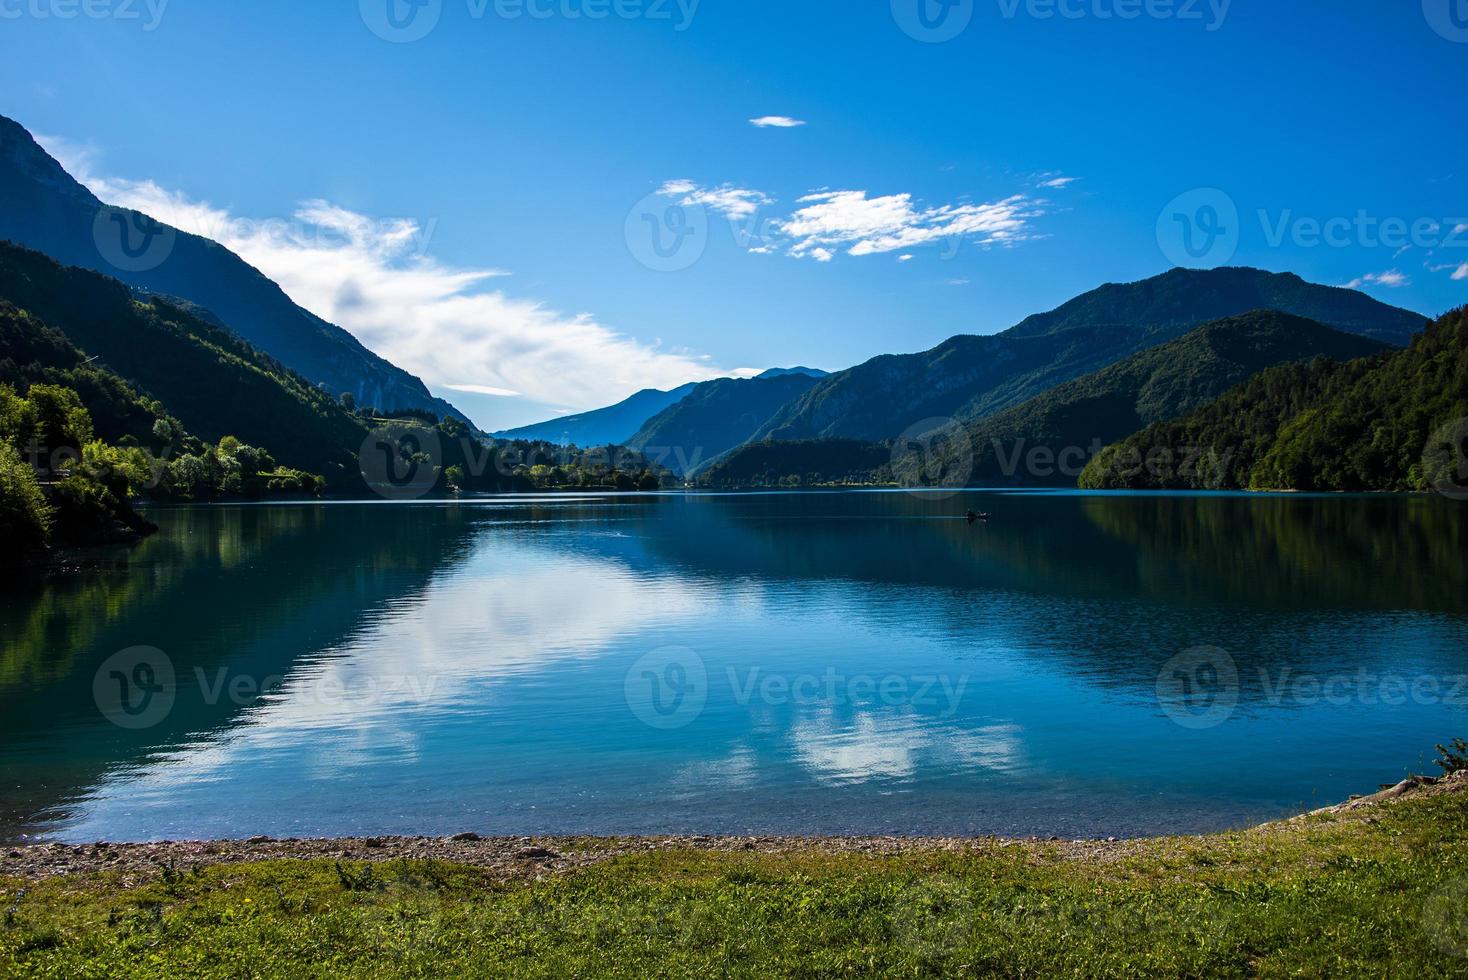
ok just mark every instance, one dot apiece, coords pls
pixel 473 204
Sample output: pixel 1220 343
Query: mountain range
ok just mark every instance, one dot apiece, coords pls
pixel 1049 439
pixel 191 325
pixel 970 378
pixel 43 207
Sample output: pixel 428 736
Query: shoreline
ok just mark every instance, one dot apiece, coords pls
pixel 519 857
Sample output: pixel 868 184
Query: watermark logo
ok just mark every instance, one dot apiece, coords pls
pixel 1199 688
pixel 668 688
pixel 933 21
pixel 665 236
pixel 1445 918
pixel 1448 17
pixel 1445 461
pixel 934 918
pixel 132 242
pixel 1199 229
pixel 401 461
pixel 135 688
pixel 401 21
pixel 935 456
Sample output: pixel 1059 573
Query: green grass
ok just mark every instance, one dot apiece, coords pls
pixel 1384 894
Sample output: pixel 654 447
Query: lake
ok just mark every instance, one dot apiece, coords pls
pixel 804 663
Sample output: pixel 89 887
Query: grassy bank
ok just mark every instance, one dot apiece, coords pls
pixel 1374 891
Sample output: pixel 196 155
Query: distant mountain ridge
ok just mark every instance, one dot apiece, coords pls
pixel 1181 297
pixel 714 418
pixel 45 208
pixel 786 372
pixel 969 377
pixel 613 425
pixel 618 424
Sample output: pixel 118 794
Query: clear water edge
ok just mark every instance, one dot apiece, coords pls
pixel 476 665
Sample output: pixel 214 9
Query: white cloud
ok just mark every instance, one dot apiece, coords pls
pixel 905 258
pixel 375 278
pixel 1460 272
pixel 1057 181
pixel 871 225
pixel 1391 279
pixel 484 390
pixel 959 282
pixel 730 201
pixel 883 745
pixel 1460 230
pixel 776 122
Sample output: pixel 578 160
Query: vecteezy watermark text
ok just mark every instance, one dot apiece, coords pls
pixel 148 12
pixel 937 21
pixel 1210 13
pixel 669 689
pixel 831 687
pixel 1202 687
pixel 1203 228
pixel 406 21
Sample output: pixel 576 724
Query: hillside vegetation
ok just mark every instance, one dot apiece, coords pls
pixel 1393 422
pixel 78 443
pixel 819 462
pixel 1049 439
pixel 211 381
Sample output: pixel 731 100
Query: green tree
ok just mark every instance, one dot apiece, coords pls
pixel 24 517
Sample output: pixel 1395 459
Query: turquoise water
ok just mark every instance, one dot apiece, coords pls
pixel 797 663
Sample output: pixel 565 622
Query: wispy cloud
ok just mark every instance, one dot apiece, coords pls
pixel 1056 181
pixel 443 323
pixel 1391 279
pixel 865 225
pixel 727 200
pixel 776 122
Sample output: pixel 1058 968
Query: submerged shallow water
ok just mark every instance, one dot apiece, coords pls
pixel 808 663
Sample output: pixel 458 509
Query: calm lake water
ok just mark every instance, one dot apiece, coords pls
pixel 799 663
